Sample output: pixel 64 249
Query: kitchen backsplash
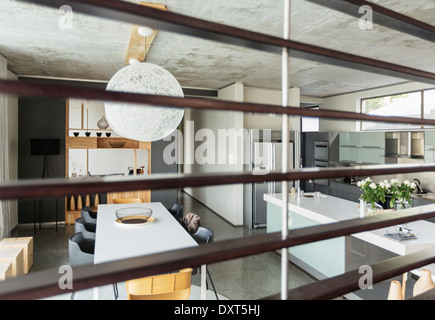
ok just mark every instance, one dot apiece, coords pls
pixel 427 179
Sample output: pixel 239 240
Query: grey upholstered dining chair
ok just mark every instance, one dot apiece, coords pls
pixel 87 228
pixel 177 211
pixel 89 215
pixel 81 252
pixel 202 236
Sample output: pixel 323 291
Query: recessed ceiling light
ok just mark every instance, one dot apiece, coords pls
pixel 145 31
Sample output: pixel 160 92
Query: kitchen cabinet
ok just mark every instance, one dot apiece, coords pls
pixel 102 153
pixel 350 139
pixel 429 146
pixel 344 190
pixel 362 147
pixel 349 154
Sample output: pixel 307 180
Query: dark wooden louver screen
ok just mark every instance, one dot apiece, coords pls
pixel 45 283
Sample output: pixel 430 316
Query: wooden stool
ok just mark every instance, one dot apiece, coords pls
pixel 5 270
pixel 26 243
pixel 14 256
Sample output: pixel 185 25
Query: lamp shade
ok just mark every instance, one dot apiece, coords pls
pixel 44 147
pixel 144 122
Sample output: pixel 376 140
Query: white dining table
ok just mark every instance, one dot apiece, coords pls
pixel 117 241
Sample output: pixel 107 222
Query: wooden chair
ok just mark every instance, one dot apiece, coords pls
pixel 128 200
pixel 172 286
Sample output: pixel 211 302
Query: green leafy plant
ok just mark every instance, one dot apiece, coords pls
pixel 401 191
pixel 372 193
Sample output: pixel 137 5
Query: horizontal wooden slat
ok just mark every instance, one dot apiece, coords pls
pixel 169 21
pixel 35 89
pixel 349 282
pixel 383 16
pixel 45 283
pixel 40 188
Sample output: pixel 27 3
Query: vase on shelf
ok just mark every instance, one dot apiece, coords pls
pixel 74 172
pixel 79 202
pixel 72 203
pixel 395 292
pixel 102 123
pixel 424 283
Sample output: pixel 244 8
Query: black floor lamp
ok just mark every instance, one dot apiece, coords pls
pixel 45 148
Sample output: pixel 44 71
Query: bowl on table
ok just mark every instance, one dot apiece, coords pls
pixel 134 215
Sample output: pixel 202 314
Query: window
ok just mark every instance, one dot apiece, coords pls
pixel 311 124
pixel 402 105
pixel 429 104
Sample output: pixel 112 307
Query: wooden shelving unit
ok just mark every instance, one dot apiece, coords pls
pixel 73 204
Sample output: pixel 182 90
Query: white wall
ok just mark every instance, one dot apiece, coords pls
pixel 224 200
pixel 272 97
pixel 351 102
pixel 227 200
pixel 12 103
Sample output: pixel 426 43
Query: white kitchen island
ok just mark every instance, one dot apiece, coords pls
pixel 323 259
pixel 328 258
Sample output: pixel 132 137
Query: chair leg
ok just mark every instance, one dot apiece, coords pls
pixel 212 284
pixel 72 295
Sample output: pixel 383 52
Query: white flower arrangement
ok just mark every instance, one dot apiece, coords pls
pixel 374 193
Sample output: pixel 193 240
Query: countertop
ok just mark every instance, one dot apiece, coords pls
pixel 330 209
pixel 327 209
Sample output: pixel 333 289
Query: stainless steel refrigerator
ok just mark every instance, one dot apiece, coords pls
pixel 266 157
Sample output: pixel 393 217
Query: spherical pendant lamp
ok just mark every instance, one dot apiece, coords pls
pixel 143 122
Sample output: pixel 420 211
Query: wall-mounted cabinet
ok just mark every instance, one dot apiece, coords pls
pixel 101 153
pixel 362 147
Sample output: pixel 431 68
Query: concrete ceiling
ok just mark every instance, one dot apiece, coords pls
pixel 33 43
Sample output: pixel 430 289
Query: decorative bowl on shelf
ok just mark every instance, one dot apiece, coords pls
pixel 108 134
pixel 116 144
pixel 98 134
pixel 134 215
pixel 76 134
pixel 87 134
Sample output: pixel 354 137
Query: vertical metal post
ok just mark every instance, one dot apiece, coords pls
pixel 285 151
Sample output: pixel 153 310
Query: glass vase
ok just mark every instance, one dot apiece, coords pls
pixel 374 210
pixel 362 208
pixel 401 205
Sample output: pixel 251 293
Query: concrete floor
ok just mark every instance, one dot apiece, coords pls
pixel 247 278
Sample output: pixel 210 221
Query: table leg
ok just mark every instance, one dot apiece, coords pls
pixel 204 282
